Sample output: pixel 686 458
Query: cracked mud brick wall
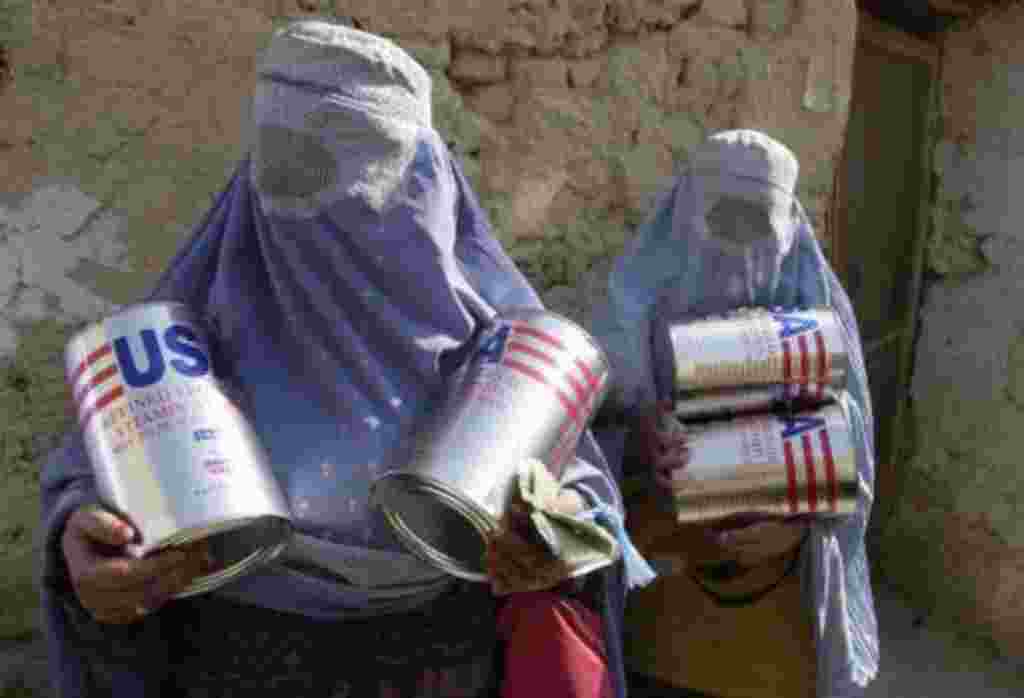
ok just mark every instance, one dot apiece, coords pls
pixel 121 119
pixel 956 543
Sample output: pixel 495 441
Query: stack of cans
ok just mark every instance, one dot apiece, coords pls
pixel 760 397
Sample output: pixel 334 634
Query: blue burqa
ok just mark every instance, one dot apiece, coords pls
pixel 729 233
pixel 343 273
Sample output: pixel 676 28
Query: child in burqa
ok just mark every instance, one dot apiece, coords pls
pixel 729 233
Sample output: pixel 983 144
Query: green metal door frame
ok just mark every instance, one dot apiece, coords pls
pixel 874 35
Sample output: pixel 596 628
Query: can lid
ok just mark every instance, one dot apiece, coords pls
pixel 438 526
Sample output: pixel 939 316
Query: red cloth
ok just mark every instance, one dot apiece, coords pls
pixel 554 648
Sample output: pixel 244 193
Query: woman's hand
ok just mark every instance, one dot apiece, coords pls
pixel 116 588
pixel 663 448
pixel 517 560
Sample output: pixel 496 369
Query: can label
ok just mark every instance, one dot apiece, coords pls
pixel 803 463
pixel 117 366
pixel 518 355
pixel 136 390
pixel 579 389
pixel 490 387
pixel 796 349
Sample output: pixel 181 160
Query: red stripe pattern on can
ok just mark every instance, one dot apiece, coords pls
pixel 568 404
pixel 794 502
pixel 97 379
pixel 101 404
pixel 805 361
pixel 830 470
pixel 824 364
pixel 106 350
pixel 804 383
pixel 528 341
pixel 822 488
pixel 578 388
pixel 83 384
pixel 812 484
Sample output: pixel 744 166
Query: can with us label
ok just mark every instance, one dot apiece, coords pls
pixel 528 391
pixel 802 350
pixel 772 464
pixel 171 453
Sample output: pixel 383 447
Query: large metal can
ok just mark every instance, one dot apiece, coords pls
pixel 529 391
pixel 784 465
pixel 170 452
pixel 803 349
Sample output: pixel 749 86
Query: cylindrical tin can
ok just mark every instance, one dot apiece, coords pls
pixel 170 452
pixel 805 348
pixel 758 398
pixel 528 392
pixel 782 465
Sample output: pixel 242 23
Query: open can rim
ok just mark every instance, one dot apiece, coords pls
pixel 280 527
pixel 481 522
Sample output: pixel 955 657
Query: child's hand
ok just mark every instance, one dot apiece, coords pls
pixel 114 587
pixel 663 447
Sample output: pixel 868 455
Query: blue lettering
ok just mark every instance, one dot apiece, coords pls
pixel 184 342
pixel 129 369
pixel 794 324
pixel 798 425
pixel 493 349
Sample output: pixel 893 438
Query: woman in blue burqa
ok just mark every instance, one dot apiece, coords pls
pixel 346 271
pixel 729 233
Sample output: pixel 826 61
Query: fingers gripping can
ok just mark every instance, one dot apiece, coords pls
pixel 528 392
pixel 783 465
pixel 803 352
pixel 170 451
